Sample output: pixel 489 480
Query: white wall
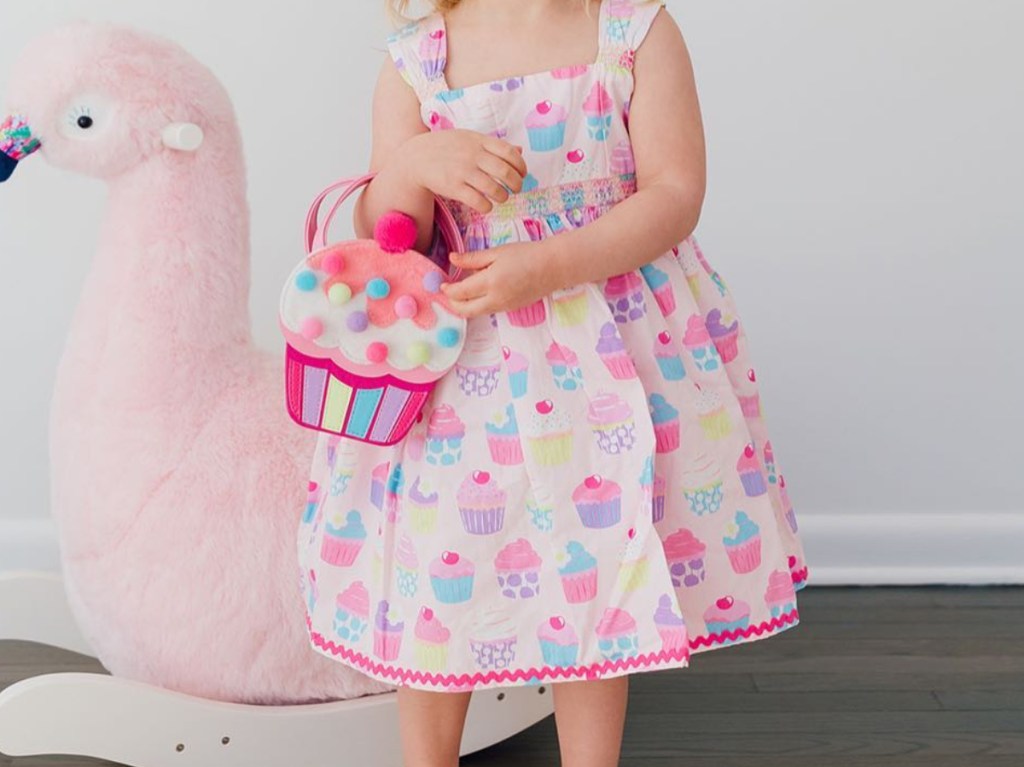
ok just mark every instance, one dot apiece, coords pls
pixel 864 205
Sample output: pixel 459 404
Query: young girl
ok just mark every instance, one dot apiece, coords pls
pixel 591 492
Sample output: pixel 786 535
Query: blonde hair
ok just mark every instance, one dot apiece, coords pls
pixel 398 10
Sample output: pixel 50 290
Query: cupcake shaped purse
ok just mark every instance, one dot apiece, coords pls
pixel 368 331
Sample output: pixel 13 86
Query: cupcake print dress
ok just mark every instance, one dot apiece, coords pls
pixel 591 490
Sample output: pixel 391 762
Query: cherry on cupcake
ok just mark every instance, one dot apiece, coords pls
pixel 481 477
pixel 557 622
pixel 543 107
pixel 427 613
pixel 544 407
pixel 593 482
pixel 792 561
pixel 449 557
pixel 724 603
pixel 748 451
pixel 664 338
pixel 575 156
pixel 312 486
pixel 751 376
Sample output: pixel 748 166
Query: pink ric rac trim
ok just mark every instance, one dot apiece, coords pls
pixel 650 661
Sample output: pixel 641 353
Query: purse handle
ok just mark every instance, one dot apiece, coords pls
pixel 445 219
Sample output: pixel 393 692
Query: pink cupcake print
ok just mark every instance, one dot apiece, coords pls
pixel 518 569
pixel 780 596
pixel 352 612
pixel 750 401
pixel 517 367
pixel 625 296
pixel 445 433
pixel 669 362
pixel 559 643
pixel 698 342
pixel 750 472
pixel 528 316
pixel 387 632
pixel 671 627
pixel 742 543
pixel 578 572
pixel 503 438
pixel 343 539
pixel 565 366
pixel 686 556
pixel 433 58
pixel 665 417
pixel 727 618
pixel 614 354
pixel 598 502
pixel 545 126
pixel 451 578
pixel 622 162
pixel 598 108
pixel 617 635
pixel 481 504
pixel 611 420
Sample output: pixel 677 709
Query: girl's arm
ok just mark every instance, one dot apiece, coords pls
pixel 413 163
pixel 667 136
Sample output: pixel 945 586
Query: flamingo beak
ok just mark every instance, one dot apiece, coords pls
pixel 16 143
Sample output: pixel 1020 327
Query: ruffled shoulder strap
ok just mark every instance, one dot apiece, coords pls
pixel 624 24
pixel 420 52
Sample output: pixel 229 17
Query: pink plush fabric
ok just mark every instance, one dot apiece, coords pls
pixel 177 478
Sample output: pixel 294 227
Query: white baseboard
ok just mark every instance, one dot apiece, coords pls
pixel 871 548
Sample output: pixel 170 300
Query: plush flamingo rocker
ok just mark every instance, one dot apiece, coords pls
pixel 177 478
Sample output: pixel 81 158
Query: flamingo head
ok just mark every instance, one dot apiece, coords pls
pixel 101 100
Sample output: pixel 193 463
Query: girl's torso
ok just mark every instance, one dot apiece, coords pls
pixel 572 122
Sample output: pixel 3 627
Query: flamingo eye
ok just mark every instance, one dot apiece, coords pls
pixel 86 117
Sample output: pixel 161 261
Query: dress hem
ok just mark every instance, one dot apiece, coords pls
pixel 656 661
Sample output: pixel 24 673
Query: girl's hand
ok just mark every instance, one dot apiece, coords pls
pixel 504 278
pixel 464 165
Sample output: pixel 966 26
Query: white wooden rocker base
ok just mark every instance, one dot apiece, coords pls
pixel 105 717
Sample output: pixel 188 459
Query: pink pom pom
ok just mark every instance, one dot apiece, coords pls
pixel 311 328
pixel 377 352
pixel 395 232
pixel 406 306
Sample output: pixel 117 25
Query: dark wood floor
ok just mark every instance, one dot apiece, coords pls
pixel 900 677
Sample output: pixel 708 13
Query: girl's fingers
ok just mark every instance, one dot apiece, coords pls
pixel 501 172
pixel 473 198
pixel 472 308
pixel 474 286
pixel 473 260
pixel 507 152
pixel 486 185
